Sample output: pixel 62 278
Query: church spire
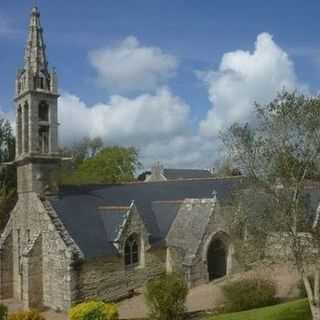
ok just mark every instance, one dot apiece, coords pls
pixel 35 59
pixel 35 74
pixel 37 150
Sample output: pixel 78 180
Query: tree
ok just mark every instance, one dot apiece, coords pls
pixel 84 149
pixel 166 296
pixel 8 179
pixel 277 155
pixel 110 165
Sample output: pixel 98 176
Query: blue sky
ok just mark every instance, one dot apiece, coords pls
pixel 176 63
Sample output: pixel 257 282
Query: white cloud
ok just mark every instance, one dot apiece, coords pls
pixel 123 120
pixel 155 124
pixel 182 151
pixel 128 66
pixel 158 125
pixel 244 78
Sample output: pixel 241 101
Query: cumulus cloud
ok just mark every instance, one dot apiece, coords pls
pixel 129 66
pixel 122 120
pixel 158 125
pixel 243 78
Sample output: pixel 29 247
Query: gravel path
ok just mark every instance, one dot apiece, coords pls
pixel 203 297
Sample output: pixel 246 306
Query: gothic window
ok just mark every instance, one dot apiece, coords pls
pixel 43 111
pixel 26 127
pixel 41 83
pixel 19 130
pixel 131 251
pixel 44 139
pixel 28 236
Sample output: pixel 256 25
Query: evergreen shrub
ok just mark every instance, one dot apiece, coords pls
pixel 248 294
pixel 166 296
pixel 93 310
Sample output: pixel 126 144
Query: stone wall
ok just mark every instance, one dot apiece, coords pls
pixel 6 268
pixel 109 279
pixel 34 275
pixel 30 221
pixel 215 226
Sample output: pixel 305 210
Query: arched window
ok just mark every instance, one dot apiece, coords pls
pixel 26 127
pixel 43 111
pixel 131 250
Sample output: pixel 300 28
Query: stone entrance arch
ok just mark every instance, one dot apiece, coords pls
pixel 217 255
pixel 217 259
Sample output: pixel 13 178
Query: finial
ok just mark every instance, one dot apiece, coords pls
pixel 35 7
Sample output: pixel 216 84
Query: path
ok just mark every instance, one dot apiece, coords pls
pixel 204 297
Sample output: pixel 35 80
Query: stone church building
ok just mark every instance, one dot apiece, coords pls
pixel 63 245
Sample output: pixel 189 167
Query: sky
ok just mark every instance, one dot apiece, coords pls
pixel 165 76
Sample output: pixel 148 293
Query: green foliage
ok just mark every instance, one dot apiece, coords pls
pixel 3 312
pixel 8 178
pixel 246 294
pixel 7 141
pixel 295 310
pixel 93 310
pixel 110 165
pixel 165 297
pixel 26 315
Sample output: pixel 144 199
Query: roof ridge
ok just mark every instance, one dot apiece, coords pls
pixel 155 182
pixel 113 207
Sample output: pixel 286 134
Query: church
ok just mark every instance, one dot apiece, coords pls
pixel 66 244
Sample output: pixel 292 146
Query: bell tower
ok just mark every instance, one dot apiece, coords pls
pixel 36 102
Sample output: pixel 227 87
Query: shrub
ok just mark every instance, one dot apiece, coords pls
pixel 94 310
pixel 26 315
pixel 248 294
pixel 165 297
pixel 3 312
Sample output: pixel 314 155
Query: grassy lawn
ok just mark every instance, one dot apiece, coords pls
pixel 295 310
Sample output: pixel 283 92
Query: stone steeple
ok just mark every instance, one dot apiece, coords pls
pixel 35 52
pixel 36 114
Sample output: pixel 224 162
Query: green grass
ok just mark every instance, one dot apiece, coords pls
pixel 295 310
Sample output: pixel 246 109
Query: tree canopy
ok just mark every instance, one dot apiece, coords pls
pixel 8 179
pixel 108 165
pixel 278 154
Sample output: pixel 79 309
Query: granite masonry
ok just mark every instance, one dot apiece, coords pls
pixel 63 245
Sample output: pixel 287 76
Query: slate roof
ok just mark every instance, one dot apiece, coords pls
pixel 174 174
pixel 79 208
pixel 190 225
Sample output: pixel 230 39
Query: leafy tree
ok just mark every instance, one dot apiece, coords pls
pixel 8 179
pixel 278 154
pixel 166 296
pixel 110 165
pixel 83 150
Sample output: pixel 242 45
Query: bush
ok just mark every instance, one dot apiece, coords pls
pixel 3 312
pixel 248 294
pixel 94 310
pixel 165 297
pixel 26 315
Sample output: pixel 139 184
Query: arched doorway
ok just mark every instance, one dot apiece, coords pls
pixel 217 259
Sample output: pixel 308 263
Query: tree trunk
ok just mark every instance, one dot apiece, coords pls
pixel 313 295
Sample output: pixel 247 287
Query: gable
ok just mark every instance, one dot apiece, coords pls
pixel 78 208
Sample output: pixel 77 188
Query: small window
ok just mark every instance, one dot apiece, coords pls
pixel 44 139
pixel 43 111
pixel 28 236
pixel 41 83
pixel 131 251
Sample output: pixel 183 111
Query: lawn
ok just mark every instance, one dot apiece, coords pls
pixel 295 310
